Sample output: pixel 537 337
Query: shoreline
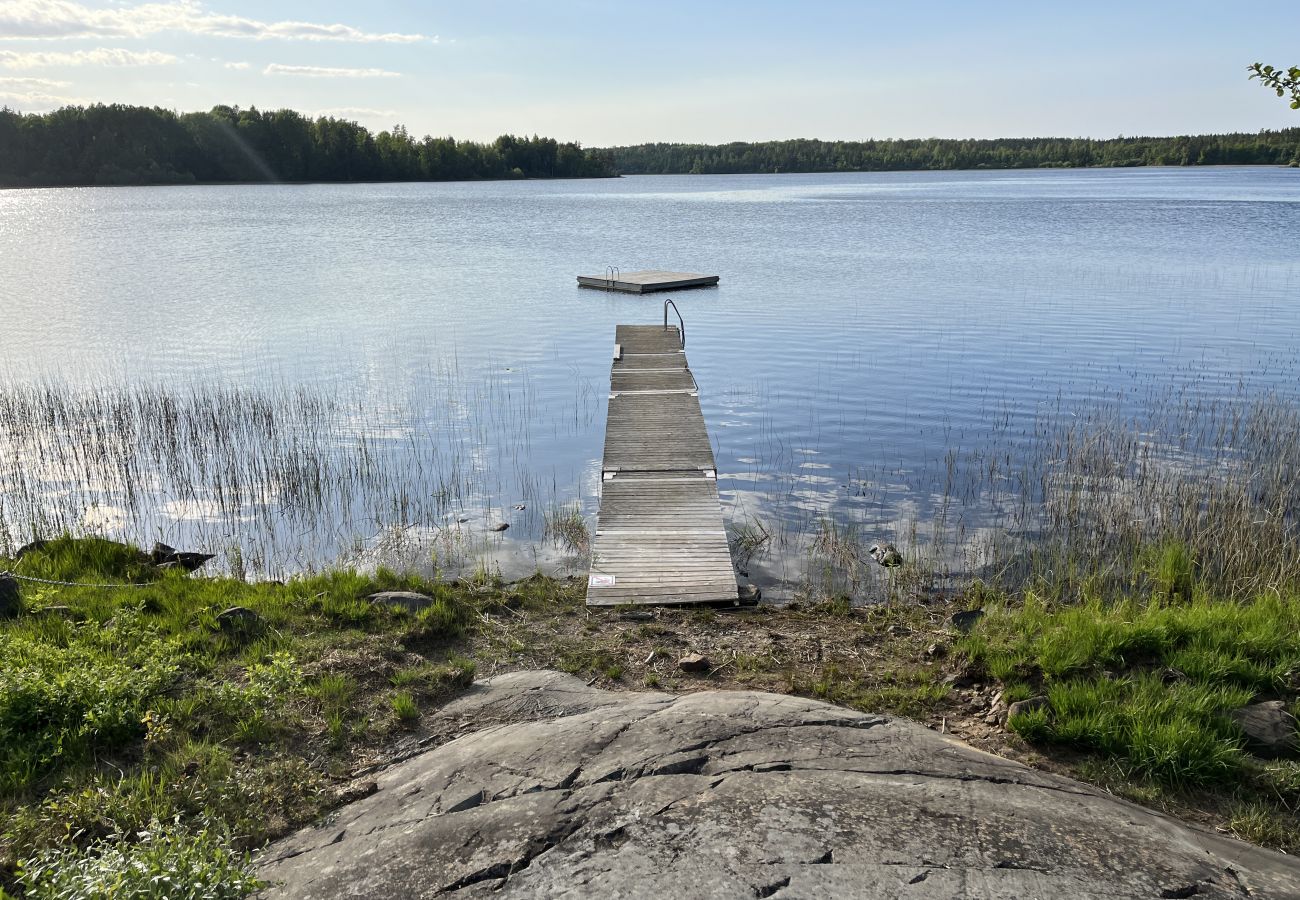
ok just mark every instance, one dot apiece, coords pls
pixel 240 690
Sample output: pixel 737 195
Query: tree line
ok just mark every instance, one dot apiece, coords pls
pixel 116 144
pixel 1264 148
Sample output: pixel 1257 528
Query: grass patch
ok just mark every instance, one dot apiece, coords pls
pixel 140 706
pixel 1146 686
pixel 162 863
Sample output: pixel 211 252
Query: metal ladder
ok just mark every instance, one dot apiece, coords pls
pixel 680 321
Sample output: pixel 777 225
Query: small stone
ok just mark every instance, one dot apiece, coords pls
pixel 11 603
pixel 410 601
pixel 963 679
pixel 1171 676
pixel 898 630
pixel 694 663
pixel 992 719
pixel 358 791
pixel 749 593
pixel 936 651
pixel 500 526
pixel 887 555
pixel 965 621
pixel 1269 727
pixel 238 618
pixel 1020 707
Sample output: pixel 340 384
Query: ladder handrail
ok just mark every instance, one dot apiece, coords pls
pixel 680 320
pixel 612 274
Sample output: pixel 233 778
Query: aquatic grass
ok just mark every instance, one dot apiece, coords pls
pixel 277 480
pixel 566 526
pixel 1165 491
pixel 747 539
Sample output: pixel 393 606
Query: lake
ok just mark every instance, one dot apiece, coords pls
pixel 882 353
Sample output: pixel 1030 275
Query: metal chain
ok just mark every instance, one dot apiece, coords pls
pixel 126 584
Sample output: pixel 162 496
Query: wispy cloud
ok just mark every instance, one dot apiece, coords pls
pixel 240 66
pixel 356 112
pixel 15 82
pixel 328 72
pixel 33 93
pixel 103 56
pixel 37 19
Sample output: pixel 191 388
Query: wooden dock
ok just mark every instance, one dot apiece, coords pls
pixel 659 534
pixel 646 281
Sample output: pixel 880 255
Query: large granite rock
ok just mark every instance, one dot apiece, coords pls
pixel 562 790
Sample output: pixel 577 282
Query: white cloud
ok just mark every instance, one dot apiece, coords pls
pixel 356 112
pixel 237 65
pixel 328 72
pixel 36 19
pixel 15 82
pixel 103 56
pixel 33 93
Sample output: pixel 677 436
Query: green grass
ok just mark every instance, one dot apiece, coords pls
pixel 1146 685
pixel 162 863
pixel 139 708
pixel 405 708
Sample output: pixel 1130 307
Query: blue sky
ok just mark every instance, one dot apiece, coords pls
pixel 681 71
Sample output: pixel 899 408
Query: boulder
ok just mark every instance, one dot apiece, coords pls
pixel 1020 707
pixel 965 621
pixel 11 601
pixel 165 557
pixel 1269 727
pixel 694 663
pixel 500 526
pixel 239 618
pixel 561 789
pixel 33 547
pixel 407 600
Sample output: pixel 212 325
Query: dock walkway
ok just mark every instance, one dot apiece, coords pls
pixel 659 534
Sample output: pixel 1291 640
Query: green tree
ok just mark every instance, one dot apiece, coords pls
pixel 1284 82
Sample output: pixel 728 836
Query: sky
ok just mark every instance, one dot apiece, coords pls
pixel 622 73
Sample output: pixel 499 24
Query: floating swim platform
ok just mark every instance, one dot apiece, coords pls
pixel 646 281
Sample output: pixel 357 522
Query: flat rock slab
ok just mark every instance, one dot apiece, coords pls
pixel 571 791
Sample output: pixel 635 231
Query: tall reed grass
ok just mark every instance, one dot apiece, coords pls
pixel 276 479
pixel 1184 491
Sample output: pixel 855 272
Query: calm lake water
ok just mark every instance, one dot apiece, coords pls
pixel 868 330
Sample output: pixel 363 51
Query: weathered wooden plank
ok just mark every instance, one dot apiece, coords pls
pixel 659 537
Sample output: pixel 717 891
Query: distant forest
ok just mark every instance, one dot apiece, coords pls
pixel 146 145
pixel 142 145
pixel 1278 148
